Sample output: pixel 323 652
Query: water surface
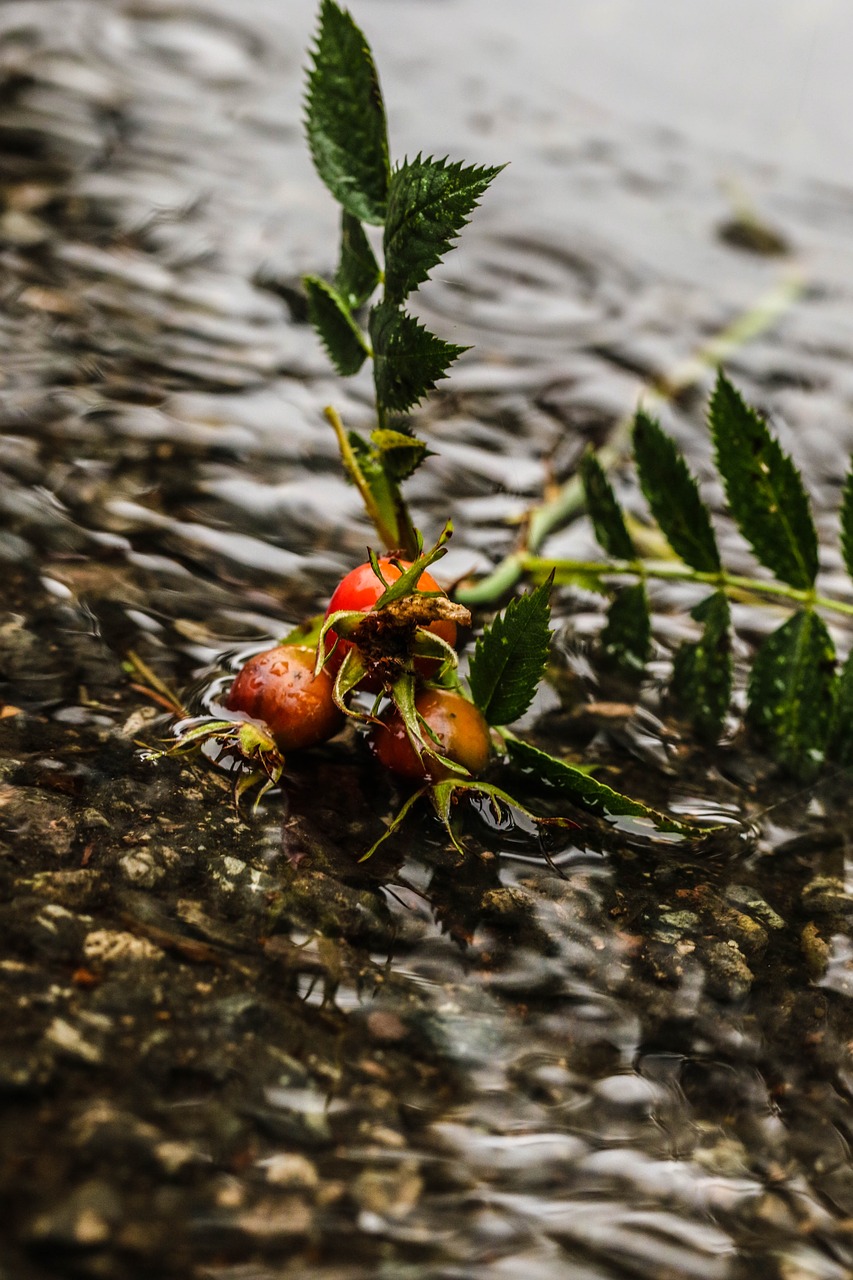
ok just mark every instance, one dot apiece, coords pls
pixel 229 1050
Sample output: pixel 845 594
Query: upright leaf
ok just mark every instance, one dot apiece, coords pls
pixel 345 117
pixel 792 692
pixel 408 359
pixel 510 656
pixel 673 495
pixel 383 489
pixel 702 672
pixel 847 520
pixel 604 510
pixel 401 454
pixel 596 797
pixel 338 332
pixel 428 205
pixel 764 489
pixel 627 635
pixel 358 271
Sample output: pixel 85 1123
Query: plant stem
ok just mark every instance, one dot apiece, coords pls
pixel 732 583
pixel 390 537
pixel 496 584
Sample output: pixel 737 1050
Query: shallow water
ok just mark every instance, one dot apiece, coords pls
pixel 229 1050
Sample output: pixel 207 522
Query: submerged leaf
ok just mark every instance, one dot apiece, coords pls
pixel 345 117
pixel 673 495
pixel 627 635
pixel 596 797
pixel 792 692
pixel 510 657
pixel 338 332
pixel 764 489
pixel 408 359
pixel 358 271
pixel 428 205
pixel 395 822
pixel 444 793
pixel 702 672
pixel 604 510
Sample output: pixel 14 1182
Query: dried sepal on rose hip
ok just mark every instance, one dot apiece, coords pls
pixel 385 636
pixel 279 704
pixel 245 749
pixel 387 618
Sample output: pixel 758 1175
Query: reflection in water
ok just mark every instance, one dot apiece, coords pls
pixel 231 1050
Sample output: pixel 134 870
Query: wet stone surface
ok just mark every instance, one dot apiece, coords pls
pixel 229 1051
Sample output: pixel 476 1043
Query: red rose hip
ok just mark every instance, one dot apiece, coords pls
pixel 462 733
pixel 359 591
pixel 279 688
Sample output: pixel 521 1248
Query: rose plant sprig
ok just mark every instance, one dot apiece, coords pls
pixel 421 206
pixel 384 654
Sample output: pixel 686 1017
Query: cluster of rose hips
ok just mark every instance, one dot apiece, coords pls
pixel 395 642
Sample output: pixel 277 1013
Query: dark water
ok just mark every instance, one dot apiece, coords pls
pixel 228 1050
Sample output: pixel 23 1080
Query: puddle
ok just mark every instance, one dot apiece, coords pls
pixel 230 1051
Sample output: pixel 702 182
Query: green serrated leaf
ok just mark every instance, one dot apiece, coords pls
pixel 408 359
pixel 340 335
pixel 841 748
pixel 847 520
pixel 792 692
pixel 345 117
pixel 358 271
pixel 673 495
pixel 428 205
pixel 702 672
pixel 400 453
pixel 604 510
pixel 764 489
pixel 596 797
pixel 627 635
pixel 510 657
